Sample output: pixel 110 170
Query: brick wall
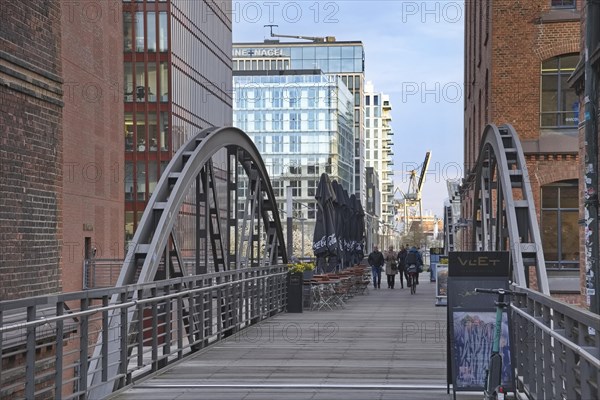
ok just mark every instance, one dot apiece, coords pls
pixel 30 148
pixel 505 44
pixel 92 43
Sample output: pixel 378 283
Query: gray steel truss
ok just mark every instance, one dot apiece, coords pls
pixel 504 213
pixel 155 244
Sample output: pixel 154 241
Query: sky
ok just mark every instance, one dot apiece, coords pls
pixel 413 52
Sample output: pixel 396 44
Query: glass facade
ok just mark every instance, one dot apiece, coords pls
pixel 329 58
pixel 343 59
pixel 303 126
pixel 177 81
pixel 379 143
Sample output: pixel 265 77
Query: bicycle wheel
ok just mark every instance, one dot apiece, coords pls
pixel 413 286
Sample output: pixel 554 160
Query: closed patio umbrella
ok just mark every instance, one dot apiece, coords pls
pixel 325 244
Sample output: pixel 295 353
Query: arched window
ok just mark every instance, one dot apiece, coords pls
pixel 559 224
pixel 559 103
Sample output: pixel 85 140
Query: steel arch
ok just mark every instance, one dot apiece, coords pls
pixel 188 163
pixel 154 241
pixel 504 214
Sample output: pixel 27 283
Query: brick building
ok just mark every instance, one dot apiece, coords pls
pixel 61 185
pixel 31 153
pixel 584 84
pixel 93 161
pixel 518 57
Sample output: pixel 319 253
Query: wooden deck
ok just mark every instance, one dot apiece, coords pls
pixel 387 344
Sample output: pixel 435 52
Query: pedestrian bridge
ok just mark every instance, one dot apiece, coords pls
pixel 199 307
pixel 226 335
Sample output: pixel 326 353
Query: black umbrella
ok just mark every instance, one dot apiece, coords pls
pixel 325 243
pixel 342 222
pixel 358 229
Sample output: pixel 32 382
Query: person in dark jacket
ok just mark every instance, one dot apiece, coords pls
pixel 376 262
pixel 402 264
pixel 414 258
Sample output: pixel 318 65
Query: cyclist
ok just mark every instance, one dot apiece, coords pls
pixel 413 257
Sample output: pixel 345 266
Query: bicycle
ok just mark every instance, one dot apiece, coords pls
pixel 492 389
pixel 412 271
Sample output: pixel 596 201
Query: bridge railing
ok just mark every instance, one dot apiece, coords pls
pixel 556 348
pixel 47 343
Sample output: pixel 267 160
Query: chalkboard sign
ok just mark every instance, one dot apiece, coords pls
pixel 472 317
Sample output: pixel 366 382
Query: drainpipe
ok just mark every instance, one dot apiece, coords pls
pixel 592 237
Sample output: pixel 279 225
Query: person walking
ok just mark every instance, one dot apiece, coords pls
pixel 376 262
pixel 391 266
pixel 402 265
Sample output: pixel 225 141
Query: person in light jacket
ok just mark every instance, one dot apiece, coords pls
pixel 391 266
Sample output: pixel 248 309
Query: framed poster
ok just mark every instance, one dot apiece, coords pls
pixel 472 316
pixel 441 285
pixel 472 340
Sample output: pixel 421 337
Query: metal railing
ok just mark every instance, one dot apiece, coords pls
pixel 172 319
pixel 556 348
pixel 100 273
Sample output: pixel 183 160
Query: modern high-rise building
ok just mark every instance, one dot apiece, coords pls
pixel 302 124
pixel 345 59
pixel 526 85
pixel 379 144
pixel 177 66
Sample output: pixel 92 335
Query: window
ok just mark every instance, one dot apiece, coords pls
pixel 312 187
pixel 295 167
pixel 259 141
pixel 312 211
pixel 559 103
pixel 294 121
pixel 127 31
pixel 277 121
pixel 278 188
pixel 141 181
pixel 128 81
pixel 294 143
pixel 129 128
pixel 296 188
pixel 563 3
pixel 162 32
pixel 559 224
pixel 151 28
pixel 139 31
pixel 128 180
pixel 297 211
pixel 312 168
pixel 277 98
pixel 277 144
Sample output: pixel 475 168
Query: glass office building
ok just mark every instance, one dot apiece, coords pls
pixel 302 123
pixel 344 59
pixel 177 81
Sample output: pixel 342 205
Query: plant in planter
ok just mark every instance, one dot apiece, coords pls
pixel 305 268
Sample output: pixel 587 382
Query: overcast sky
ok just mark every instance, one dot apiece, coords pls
pixel 413 52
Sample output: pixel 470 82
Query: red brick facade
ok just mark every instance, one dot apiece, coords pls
pixel 31 139
pixel 506 42
pixel 93 167
pixel 61 142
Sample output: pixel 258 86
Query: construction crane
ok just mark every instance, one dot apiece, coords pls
pixel 412 197
pixel 315 39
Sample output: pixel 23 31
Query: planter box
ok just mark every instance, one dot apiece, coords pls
pixel 295 283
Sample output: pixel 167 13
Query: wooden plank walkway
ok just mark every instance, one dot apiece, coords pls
pixel 387 344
